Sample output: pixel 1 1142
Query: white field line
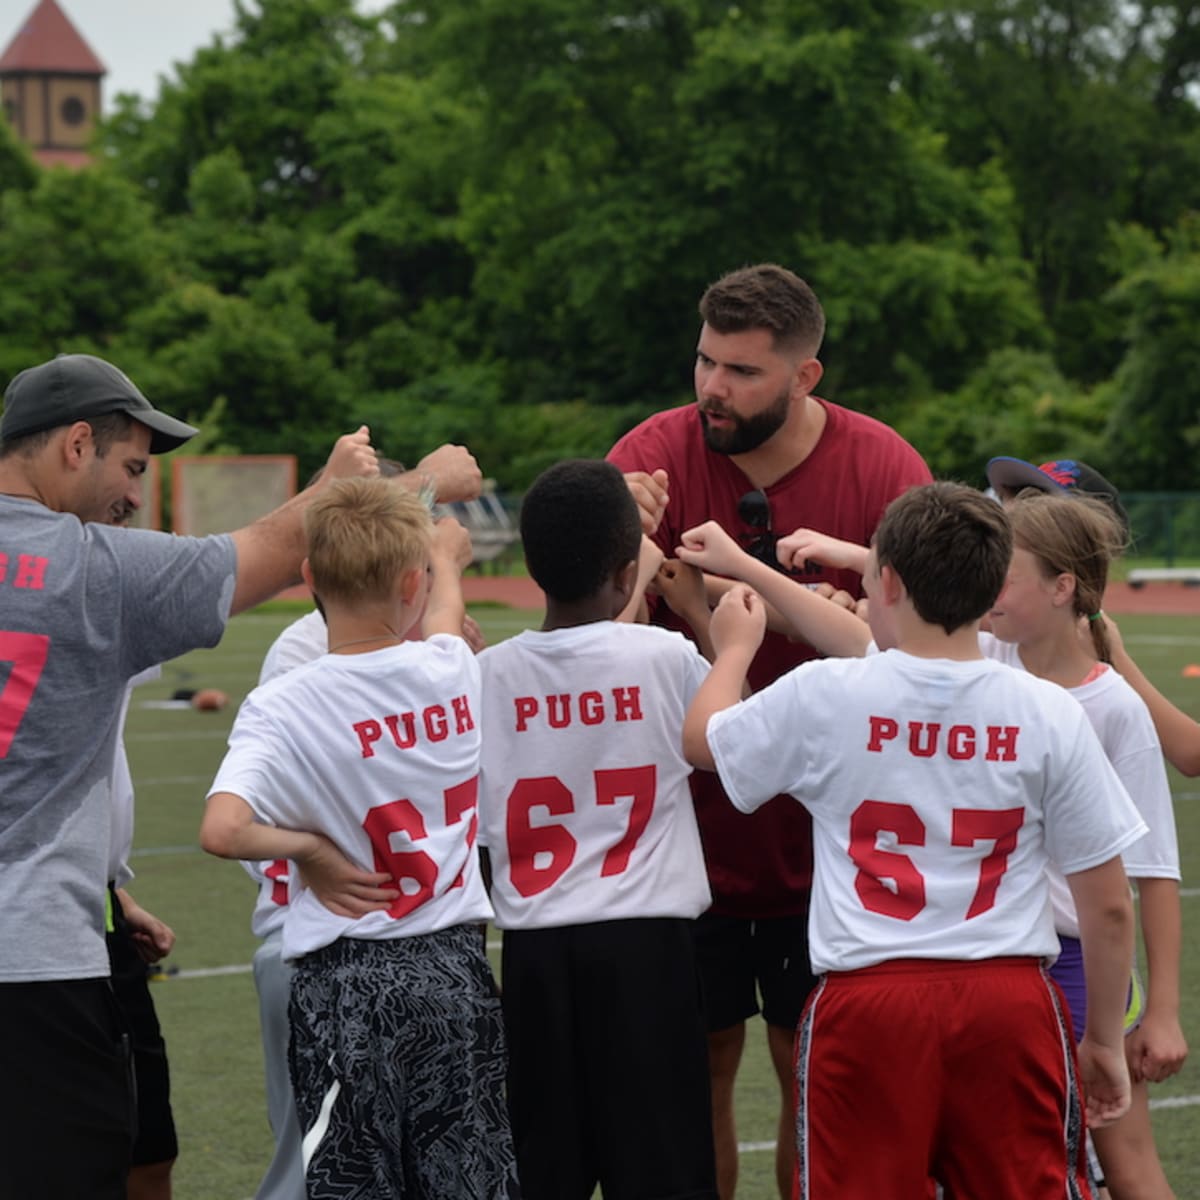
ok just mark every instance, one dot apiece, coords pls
pixel 1165 1102
pixel 154 851
pixel 171 780
pixel 180 735
pixel 743 1147
pixel 210 972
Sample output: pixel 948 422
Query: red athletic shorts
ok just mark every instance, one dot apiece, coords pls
pixel 959 1072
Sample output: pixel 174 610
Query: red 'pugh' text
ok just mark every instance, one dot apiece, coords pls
pixel 403 729
pixel 926 739
pixel 588 708
pixel 28 571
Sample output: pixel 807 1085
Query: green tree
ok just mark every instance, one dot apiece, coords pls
pixel 627 157
pixel 259 95
pixel 1016 403
pixel 80 254
pixel 265 356
pixel 1083 104
pixel 1152 400
pixel 17 168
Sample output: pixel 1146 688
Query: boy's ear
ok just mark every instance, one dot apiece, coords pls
pixel 891 586
pixel 410 583
pixel 625 579
pixel 306 574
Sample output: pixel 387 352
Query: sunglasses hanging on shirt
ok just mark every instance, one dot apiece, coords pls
pixel 754 509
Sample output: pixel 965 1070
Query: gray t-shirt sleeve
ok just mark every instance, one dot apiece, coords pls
pixel 170 594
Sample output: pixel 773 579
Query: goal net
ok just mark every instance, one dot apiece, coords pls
pixel 218 493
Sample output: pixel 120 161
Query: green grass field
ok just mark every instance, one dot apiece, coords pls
pixel 209 1009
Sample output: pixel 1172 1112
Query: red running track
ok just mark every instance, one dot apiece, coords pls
pixel 519 591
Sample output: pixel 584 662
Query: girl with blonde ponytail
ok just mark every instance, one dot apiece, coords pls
pixel 1063 545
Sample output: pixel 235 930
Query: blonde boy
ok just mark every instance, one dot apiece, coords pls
pixel 362 768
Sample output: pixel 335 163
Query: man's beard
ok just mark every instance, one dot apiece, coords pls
pixel 746 433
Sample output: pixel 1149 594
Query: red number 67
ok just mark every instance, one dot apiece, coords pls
pixel 906 897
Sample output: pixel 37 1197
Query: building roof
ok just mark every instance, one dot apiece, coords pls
pixel 49 42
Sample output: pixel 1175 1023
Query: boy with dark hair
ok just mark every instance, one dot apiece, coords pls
pixel 596 863
pixel 370 755
pixel 940 784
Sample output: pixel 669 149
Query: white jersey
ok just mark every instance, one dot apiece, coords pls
pixel 120 833
pixel 1126 731
pixel 938 791
pixel 380 753
pixel 304 640
pixel 584 800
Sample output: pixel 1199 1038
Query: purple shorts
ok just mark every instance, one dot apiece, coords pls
pixel 1067 972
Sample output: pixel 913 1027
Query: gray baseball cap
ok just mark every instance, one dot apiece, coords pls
pixel 74 387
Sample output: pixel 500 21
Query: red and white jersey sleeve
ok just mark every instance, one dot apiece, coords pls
pixel 273 877
pixel 939 791
pixel 584 797
pixel 380 753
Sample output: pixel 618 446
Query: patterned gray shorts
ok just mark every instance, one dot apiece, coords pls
pixel 397 1061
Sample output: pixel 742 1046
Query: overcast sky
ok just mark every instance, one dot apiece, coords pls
pixel 137 40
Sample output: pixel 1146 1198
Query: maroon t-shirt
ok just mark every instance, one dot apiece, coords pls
pixel 761 865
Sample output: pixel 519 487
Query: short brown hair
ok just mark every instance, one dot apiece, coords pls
pixel 1070 533
pixel 107 430
pixel 951 547
pixel 766 296
pixel 362 535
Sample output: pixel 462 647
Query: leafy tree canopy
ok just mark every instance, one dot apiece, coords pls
pixel 490 220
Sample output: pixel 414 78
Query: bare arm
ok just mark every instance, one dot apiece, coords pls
pixel 152 938
pixel 823 624
pixel 1157 1048
pixel 269 551
pixel 451 552
pixel 715 586
pixel 1105 912
pixel 229 830
pixel 737 628
pixel 473 635
pixel 804 544
pixel 649 560
pixel 450 471
pixel 1178 733
pixel 684 589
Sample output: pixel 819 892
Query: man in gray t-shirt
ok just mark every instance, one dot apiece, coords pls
pixel 83 607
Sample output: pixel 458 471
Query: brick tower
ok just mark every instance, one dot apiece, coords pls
pixel 50 87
